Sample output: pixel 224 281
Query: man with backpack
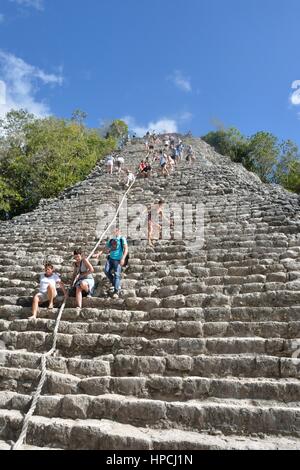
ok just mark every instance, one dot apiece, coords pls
pixel 117 249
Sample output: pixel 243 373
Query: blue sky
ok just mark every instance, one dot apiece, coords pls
pixel 174 64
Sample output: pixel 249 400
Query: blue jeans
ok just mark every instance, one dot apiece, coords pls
pixel 115 279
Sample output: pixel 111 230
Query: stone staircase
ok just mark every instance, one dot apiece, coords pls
pixel 198 351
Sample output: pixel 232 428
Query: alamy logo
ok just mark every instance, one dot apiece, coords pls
pixel 172 221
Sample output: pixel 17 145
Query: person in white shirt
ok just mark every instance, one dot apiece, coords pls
pixel 130 178
pixel 47 291
pixel 110 164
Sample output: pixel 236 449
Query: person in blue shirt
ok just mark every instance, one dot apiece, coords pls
pixel 117 249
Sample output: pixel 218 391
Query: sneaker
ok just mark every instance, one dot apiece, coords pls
pixel 33 319
pixel 116 295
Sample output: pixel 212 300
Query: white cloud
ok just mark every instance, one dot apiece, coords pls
pixel 295 96
pixel 186 116
pixel 37 4
pixel 19 84
pixel 1 18
pixel 161 126
pixel 183 83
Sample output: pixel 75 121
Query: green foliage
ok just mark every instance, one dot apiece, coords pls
pixel 41 157
pixel 79 116
pixel 117 130
pixel 261 154
pixel 288 168
pixel 228 142
pixel 8 197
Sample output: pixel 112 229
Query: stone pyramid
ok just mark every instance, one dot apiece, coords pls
pixel 202 351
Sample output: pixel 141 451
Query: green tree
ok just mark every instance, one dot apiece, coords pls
pixel 79 116
pixel 48 156
pixel 229 142
pixel 288 168
pixel 264 152
pixel 8 198
pixel 117 130
pixel 261 154
pixel 14 123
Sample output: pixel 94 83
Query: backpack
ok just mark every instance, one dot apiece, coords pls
pixel 122 246
pixel 127 256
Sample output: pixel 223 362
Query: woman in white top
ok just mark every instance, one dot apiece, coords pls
pixel 110 164
pixel 47 291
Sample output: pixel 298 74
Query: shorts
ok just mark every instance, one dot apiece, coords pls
pixel 163 165
pixel 44 296
pixel 90 282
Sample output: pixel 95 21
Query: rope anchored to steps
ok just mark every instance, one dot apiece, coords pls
pixel 18 444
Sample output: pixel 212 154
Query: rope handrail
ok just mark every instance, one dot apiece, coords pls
pixel 18 444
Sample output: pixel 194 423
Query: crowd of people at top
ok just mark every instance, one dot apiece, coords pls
pixel 167 154
pixel 162 156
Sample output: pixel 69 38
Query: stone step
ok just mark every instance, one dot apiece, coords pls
pixel 206 314
pixel 155 387
pixel 110 435
pixel 216 366
pixel 94 302
pixel 6 445
pixel 226 272
pixel 94 344
pixel 159 328
pixel 227 415
pixel 214 329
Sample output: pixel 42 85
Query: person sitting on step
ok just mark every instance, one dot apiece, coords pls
pixel 82 278
pixel 141 168
pixel 146 171
pixel 117 249
pixel 47 291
